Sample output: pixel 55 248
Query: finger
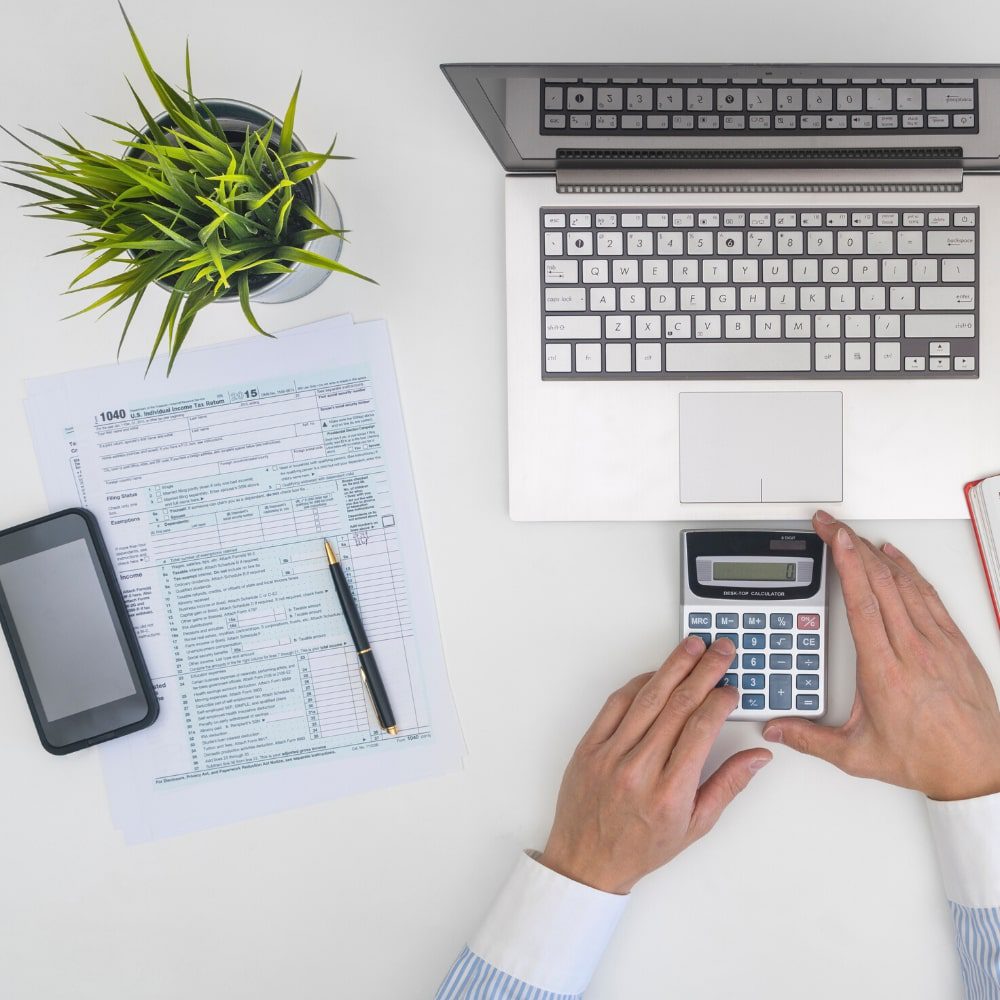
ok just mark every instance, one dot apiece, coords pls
pixel 863 612
pixel 610 716
pixel 720 788
pixel 695 740
pixel 810 738
pixel 650 699
pixel 919 614
pixel 899 625
pixel 687 699
pixel 935 605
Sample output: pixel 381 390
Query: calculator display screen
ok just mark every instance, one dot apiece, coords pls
pixel 775 571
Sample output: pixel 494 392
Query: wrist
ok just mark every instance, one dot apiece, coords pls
pixel 578 867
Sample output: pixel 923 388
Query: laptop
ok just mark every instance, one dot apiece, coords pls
pixel 742 291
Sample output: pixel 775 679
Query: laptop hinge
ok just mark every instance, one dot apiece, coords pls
pixel 601 180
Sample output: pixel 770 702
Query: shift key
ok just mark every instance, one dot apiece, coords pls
pixel 939 326
pixel 572 327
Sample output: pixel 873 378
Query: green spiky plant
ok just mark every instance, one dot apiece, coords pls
pixel 185 205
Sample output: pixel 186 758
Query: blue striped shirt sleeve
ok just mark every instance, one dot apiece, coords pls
pixel 977 935
pixel 473 978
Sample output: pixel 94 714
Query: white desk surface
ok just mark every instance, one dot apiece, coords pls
pixel 812 884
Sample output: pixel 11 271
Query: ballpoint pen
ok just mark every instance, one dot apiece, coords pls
pixel 369 668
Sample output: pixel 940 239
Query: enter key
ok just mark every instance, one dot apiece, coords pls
pixel 948 297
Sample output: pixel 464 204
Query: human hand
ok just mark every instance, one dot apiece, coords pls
pixel 925 715
pixel 630 798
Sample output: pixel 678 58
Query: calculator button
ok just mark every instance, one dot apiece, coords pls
pixel 808 622
pixel 807 661
pixel 754 621
pixel 729 681
pixel 781 621
pixel 728 619
pixel 753 682
pixel 781 661
pixel 808 642
pixel 753 701
pixel 781 640
pixel 753 661
pixel 699 619
pixel 753 640
pixel 806 702
pixel 781 692
pixel 704 636
pixel 807 682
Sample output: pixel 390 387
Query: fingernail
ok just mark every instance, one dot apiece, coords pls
pixel 844 539
pixel 774 734
pixel 824 518
pixel 693 644
pixel 890 550
pixel 757 763
pixel 725 646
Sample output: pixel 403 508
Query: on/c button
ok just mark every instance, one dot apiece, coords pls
pixel 808 622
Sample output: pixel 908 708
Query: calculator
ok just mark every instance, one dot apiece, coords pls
pixel 766 591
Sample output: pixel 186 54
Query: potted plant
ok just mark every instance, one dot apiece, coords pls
pixel 212 200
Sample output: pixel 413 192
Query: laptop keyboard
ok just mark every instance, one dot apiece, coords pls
pixel 742 293
pixel 682 107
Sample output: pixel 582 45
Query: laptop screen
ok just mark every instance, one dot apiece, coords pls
pixel 537 117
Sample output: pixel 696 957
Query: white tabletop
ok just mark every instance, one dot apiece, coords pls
pixel 812 884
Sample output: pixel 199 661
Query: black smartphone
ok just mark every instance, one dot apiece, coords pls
pixel 69 633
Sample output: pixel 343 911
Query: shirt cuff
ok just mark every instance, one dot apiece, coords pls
pixel 547 930
pixel 967 835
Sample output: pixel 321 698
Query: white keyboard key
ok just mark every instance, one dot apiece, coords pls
pixel 894 270
pixel 903 297
pixel 566 299
pixel 958 270
pixel 782 297
pixel 858 326
pixel 693 299
pixel 715 272
pixel 879 99
pixel 737 357
pixel 887 357
pixel 700 244
pixel 603 299
pixel 938 219
pixel 595 272
pixel 819 99
pixel 939 349
pixel 790 242
pixel 813 219
pixel 617 327
pixel 940 364
pixel 580 244
pixel 558 357
pixel 588 358
pixel 835 270
pixel 888 219
pixel 785 220
pixel 850 241
pixel 965 218
pixel 722 299
pixel 925 269
pixel 858 357
pixel 625 272
pixel 805 271
pixel 836 219
pixel 827 327
pixel 640 244
pixel 669 99
pixel 913 218
pixel 610 244
pixel 686 272
pixel 820 242
pixel 880 242
pixel 730 244
pixel 862 220
pixel 767 327
pixel 631 220
pixel 669 244
pixel 828 358
pixel 963 121
pixel 707 328
pixel 648 358
pixel 887 326
pixel 760 243
pixel 655 271
pixel 607 220
pixel 553 244
pixel 677 327
pixel 775 270
pixel 658 220
pixel 812 297
pixel 951 242
pixel 950 99
pixel 618 357
pixel 872 297
pixel 683 220
pixel 580 220
pixel 663 299
pixel 746 271
pixel 573 327
pixel 798 326
pixel 907 242
pixel 634 299
pixel 753 298
pixel 708 220
pixel 944 297
pixel 735 219
pixel 915 363
pixel 562 272
pixel 909 99
pixel 738 328
pixel 648 327
pixel 939 325
pixel 554 220
pixel 844 298
pixel 965 364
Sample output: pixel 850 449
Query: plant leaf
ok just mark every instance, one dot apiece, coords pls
pixel 288 125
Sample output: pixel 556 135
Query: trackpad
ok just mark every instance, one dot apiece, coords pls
pixel 761 447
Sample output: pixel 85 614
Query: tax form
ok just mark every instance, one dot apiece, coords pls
pixel 215 490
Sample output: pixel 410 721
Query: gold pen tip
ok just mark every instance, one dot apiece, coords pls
pixel 329 552
pixel 391 730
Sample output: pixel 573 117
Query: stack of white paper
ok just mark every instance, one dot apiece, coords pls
pixel 215 489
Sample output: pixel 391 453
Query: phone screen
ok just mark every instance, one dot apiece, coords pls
pixel 69 637
pixel 69 634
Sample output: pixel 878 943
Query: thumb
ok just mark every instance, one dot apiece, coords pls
pixel 808 737
pixel 719 790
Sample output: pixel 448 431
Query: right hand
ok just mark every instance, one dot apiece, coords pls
pixel 925 715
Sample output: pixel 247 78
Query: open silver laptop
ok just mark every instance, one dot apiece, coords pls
pixel 742 291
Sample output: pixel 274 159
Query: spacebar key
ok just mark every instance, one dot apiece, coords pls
pixel 734 358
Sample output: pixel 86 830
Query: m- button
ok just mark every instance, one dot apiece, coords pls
pixel 808 622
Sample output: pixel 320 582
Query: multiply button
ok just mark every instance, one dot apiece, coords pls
pixel 808 622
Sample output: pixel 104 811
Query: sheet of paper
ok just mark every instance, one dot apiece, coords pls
pixel 215 490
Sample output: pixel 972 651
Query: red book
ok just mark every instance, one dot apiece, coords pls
pixel 983 499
